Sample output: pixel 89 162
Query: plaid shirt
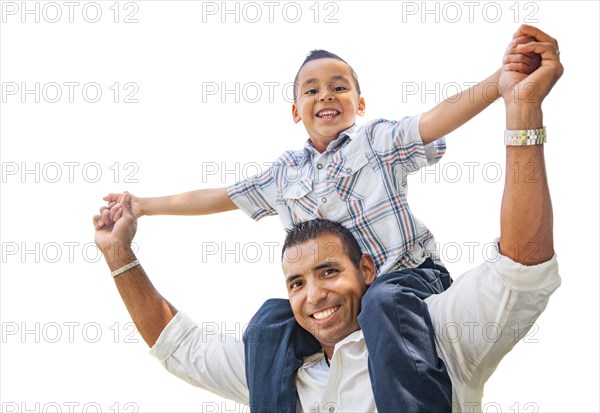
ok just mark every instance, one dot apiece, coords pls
pixel 360 181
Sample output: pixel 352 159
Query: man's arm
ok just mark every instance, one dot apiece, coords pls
pixel 199 202
pixel 512 289
pixel 148 309
pixel 209 361
pixel 526 214
pixel 454 111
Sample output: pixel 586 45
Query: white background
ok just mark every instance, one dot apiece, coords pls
pixel 77 353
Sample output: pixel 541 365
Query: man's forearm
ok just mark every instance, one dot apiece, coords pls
pixel 526 215
pixel 454 111
pixel 148 309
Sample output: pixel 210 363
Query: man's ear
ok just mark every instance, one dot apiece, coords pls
pixel 360 110
pixel 367 266
pixel 295 113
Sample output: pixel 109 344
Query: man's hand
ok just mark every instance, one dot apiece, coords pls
pixel 518 87
pixel 113 211
pixel 118 227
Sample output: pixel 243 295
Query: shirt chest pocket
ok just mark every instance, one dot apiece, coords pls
pixel 354 177
pixel 298 200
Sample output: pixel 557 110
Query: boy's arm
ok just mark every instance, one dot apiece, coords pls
pixel 462 107
pixel 458 109
pixel 199 202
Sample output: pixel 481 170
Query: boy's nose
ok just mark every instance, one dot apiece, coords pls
pixel 326 94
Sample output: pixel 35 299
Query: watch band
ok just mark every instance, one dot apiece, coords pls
pixel 125 268
pixel 525 137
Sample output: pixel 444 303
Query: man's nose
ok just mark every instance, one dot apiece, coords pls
pixel 315 293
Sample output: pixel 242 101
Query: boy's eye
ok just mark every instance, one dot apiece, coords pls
pixel 339 89
pixel 311 91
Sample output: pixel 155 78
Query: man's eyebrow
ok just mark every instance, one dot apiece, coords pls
pixel 291 278
pixel 323 266
pixel 326 265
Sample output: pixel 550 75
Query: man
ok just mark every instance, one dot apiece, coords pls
pixel 326 283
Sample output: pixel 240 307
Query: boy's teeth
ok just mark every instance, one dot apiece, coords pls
pixel 326 313
pixel 328 113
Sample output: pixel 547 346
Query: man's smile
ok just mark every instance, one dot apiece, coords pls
pixel 325 314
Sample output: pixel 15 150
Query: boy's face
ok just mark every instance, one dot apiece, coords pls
pixel 325 288
pixel 327 100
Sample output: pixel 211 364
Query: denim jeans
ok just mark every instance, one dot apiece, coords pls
pixel 406 373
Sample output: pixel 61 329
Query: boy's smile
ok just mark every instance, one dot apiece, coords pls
pixel 327 100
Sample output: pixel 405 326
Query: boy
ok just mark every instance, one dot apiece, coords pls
pixel 356 176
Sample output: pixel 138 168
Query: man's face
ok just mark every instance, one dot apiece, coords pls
pixel 325 289
pixel 327 100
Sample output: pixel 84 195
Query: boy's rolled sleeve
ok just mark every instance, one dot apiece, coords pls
pixel 203 358
pixel 400 142
pixel 255 196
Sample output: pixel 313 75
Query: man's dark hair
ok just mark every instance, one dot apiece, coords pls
pixel 309 230
pixel 323 54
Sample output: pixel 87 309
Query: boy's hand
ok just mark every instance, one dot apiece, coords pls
pixel 531 89
pixel 114 210
pixel 520 62
pixel 120 235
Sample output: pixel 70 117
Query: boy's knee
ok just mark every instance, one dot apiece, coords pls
pixel 379 296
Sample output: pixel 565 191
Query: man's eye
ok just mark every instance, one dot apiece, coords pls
pixel 295 284
pixel 330 271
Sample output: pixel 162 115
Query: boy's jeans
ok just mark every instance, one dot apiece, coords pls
pixel 406 373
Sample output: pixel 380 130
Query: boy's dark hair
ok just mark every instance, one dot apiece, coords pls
pixel 309 230
pixel 323 54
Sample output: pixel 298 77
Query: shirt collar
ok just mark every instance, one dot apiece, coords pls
pixel 355 337
pixel 334 145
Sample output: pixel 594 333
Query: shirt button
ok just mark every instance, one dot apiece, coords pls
pixel 319 166
pixel 324 200
pixel 298 193
pixel 348 170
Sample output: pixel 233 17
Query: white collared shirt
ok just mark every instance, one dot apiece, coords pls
pixel 489 308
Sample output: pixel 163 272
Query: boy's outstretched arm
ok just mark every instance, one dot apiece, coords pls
pixel 462 107
pixel 199 202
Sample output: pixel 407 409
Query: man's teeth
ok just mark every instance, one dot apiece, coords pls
pixel 326 313
pixel 328 114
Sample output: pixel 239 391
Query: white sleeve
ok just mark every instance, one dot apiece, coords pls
pixel 480 318
pixel 204 359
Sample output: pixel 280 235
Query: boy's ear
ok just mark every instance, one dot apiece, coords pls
pixel 360 110
pixel 295 113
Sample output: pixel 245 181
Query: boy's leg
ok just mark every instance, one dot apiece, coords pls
pixel 406 373
pixel 275 347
